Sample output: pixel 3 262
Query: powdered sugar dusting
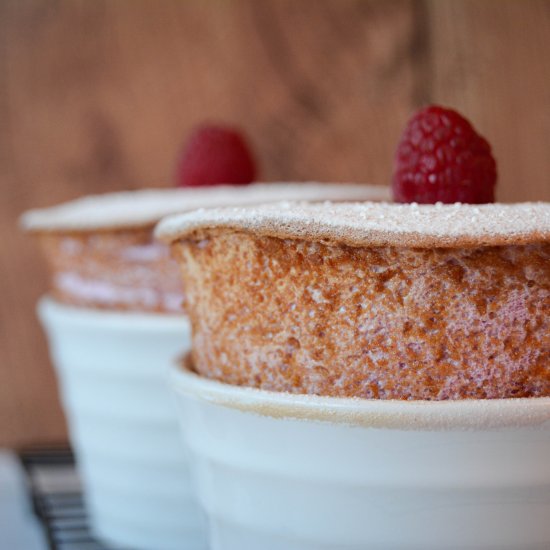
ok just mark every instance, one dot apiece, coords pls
pixel 376 224
pixel 147 207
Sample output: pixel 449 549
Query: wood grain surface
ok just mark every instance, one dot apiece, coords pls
pixel 98 96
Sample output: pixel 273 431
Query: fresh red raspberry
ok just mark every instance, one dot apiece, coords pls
pixel 214 155
pixel 442 158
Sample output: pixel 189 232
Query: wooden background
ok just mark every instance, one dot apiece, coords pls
pixel 98 95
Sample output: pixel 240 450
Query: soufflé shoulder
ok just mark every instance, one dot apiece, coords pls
pixel 370 300
pixel 101 252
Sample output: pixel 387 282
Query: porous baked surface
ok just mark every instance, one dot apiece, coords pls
pixel 118 270
pixel 385 322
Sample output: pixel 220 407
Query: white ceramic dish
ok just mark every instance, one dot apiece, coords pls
pixel 291 472
pixel 111 369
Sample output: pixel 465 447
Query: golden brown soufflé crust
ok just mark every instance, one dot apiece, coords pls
pixel 124 269
pixel 368 321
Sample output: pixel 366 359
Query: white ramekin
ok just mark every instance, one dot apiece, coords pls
pixel 112 373
pixel 277 471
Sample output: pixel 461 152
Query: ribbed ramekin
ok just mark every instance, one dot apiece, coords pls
pixel 112 371
pixel 292 472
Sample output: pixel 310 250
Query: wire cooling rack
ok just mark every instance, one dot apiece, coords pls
pixel 56 494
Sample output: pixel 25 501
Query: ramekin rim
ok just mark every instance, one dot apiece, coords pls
pixel 466 414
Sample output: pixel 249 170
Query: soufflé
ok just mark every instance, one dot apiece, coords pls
pixel 384 301
pixel 102 254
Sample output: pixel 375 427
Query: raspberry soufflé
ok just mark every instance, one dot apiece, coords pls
pixel 102 254
pixel 386 301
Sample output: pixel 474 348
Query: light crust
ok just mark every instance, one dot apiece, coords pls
pixel 375 224
pixel 144 208
pixel 386 322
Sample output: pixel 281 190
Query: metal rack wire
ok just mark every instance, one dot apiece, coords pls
pixel 56 494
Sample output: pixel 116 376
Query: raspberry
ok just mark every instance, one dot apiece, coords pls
pixel 213 155
pixel 442 158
